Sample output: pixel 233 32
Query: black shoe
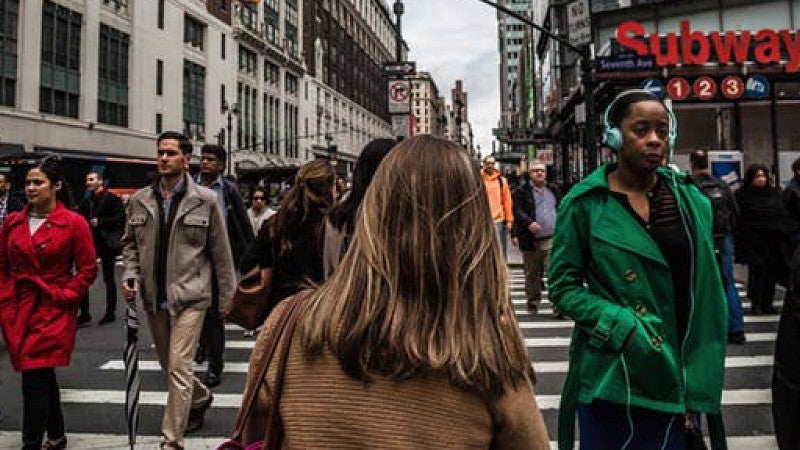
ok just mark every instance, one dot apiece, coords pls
pixel 197 416
pixel 533 307
pixel 55 444
pixel 84 320
pixel 108 318
pixel 213 379
pixel 736 337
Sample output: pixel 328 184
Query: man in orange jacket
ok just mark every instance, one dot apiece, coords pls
pixel 499 200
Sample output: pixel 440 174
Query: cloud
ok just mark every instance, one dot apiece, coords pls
pixel 457 39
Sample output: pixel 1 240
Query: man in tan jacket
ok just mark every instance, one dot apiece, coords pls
pixel 499 200
pixel 175 242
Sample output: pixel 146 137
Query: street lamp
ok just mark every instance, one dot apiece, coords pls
pixel 231 111
pixel 398 10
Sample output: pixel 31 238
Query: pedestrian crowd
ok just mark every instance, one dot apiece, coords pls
pixel 391 298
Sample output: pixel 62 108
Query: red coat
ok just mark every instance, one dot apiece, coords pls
pixel 39 294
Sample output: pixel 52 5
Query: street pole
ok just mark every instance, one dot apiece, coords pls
pixel 587 77
pixel 399 9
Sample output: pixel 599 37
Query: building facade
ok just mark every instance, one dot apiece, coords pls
pixel 511 45
pixel 427 105
pixel 345 43
pixel 104 77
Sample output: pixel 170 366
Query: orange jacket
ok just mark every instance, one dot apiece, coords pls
pixel 499 196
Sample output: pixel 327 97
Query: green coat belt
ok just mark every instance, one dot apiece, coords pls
pixel 628 286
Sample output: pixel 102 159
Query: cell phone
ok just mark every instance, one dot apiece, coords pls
pixel 130 283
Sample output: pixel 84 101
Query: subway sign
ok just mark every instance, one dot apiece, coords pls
pixel 691 47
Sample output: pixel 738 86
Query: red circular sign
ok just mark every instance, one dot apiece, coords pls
pixel 705 88
pixel 732 87
pixel 678 88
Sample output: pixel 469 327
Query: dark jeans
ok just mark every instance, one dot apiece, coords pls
pixel 786 378
pixel 108 261
pixel 41 408
pixel 212 339
pixel 604 425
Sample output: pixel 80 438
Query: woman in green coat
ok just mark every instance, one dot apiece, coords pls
pixel 633 264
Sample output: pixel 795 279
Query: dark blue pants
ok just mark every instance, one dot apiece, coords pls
pixel 605 426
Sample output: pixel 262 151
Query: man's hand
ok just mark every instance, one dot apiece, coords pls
pixel 509 225
pixel 534 227
pixel 130 288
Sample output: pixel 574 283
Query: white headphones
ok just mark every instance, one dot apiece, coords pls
pixel 613 135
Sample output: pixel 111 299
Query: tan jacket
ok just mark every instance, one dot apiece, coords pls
pixel 322 407
pixel 198 249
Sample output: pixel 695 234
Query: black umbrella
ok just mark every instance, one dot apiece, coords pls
pixel 132 376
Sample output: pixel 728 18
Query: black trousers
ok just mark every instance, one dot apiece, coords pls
pixel 41 408
pixel 761 287
pixel 212 339
pixel 786 378
pixel 108 261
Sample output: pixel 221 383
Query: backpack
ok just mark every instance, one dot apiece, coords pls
pixel 717 191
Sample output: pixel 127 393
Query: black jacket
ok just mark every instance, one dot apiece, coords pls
pixel 525 213
pixel 107 208
pixel 762 235
pixel 240 232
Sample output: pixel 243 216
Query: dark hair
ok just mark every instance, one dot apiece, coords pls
pixel 312 190
pixel 796 165
pixel 52 171
pixel 215 150
pixel 622 107
pixel 98 174
pixel 183 142
pixel 343 215
pixel 752 171
pixel 699 159
pixel 259 189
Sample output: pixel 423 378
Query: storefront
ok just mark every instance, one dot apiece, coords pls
pixel 731 73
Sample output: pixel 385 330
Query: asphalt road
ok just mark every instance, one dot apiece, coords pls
pixel 92 387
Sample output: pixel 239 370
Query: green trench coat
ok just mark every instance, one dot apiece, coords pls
pixel 629 286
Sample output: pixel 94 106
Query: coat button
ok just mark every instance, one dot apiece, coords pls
pixel 630 275
pixel 656 340
pixel 641 310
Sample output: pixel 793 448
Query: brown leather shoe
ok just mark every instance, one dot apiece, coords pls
pixel 197 416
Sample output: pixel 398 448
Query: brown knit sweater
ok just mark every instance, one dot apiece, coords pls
pixel 322 407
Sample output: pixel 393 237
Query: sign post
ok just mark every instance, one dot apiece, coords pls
pixel 579 22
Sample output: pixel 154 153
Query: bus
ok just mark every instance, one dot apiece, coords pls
pixel 122 175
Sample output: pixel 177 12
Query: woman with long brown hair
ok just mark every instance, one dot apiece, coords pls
pixel 412 342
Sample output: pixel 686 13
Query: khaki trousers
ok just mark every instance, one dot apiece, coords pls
pixel 176 339
pixel 536 264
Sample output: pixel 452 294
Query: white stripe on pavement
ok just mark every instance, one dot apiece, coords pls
pixel 12 439
pixel 86 441
pixel 541 367
pixel 551 324
pixel 233 401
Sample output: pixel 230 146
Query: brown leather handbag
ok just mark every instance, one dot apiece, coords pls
pixel 251 303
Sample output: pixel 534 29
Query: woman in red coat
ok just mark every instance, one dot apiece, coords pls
pixel 47 263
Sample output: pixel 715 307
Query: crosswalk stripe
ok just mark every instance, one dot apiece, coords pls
pixel 541 367
pixel 553 324
pixel 233 401
pixel 92 441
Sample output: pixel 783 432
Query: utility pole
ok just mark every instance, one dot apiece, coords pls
pixel 587 77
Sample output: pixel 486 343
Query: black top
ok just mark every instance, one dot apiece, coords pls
pixel 296 268
pixel 667 230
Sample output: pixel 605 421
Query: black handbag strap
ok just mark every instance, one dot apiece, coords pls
pixel 285 328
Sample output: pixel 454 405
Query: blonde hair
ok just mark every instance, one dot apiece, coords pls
pixel 423 285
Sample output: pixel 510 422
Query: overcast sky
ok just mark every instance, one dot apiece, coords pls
pixel 455 39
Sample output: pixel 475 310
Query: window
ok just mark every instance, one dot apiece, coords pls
pixel 112 95
pixel 116 3
pixel 194 80
pixel 272 19
pixel 160 14
pixel 159 123
pixel 222 46
pixel 59 90
pixel 291 84
pixel 9 19
pixel 248 61
pixel 272 74
pixel 193 32
pixel 248 15
pixel 159 77
pixel 222 98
